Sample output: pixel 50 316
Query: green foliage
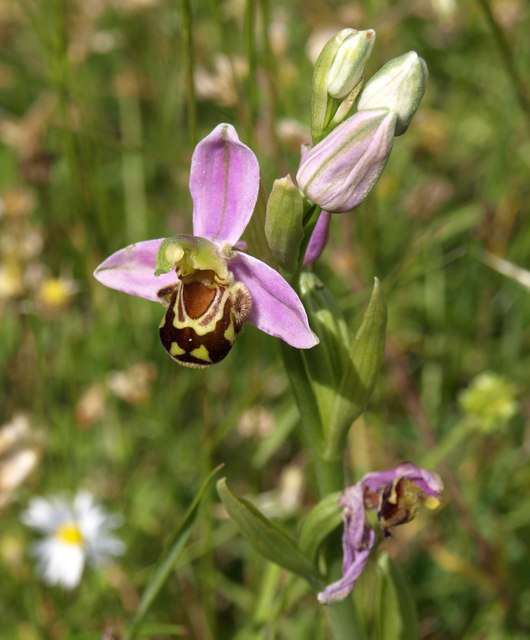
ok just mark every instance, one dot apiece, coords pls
pixel 266 537
pixel 323 518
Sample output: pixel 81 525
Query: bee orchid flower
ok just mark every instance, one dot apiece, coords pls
pixel 210 287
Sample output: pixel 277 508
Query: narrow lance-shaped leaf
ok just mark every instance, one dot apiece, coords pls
pixel 324 518
pixel 397 618
pixel 327 362
pixel 167 563
pixel 358 381
pixel 266 537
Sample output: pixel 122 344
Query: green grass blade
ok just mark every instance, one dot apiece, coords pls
pixel 167 565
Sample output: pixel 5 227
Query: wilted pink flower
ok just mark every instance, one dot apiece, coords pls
pixel 397 495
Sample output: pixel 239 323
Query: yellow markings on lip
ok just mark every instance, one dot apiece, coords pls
pixel 230 333
pixel 195 325
pixel 175 350
pixel 201 353
pixel 70 533
pixel 393 497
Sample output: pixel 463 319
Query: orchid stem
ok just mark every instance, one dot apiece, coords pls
pixel 343 621
pixel 329 473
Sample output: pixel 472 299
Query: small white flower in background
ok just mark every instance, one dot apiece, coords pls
pixel 75 533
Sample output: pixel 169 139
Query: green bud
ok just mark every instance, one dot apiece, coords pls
pixel 283 223
pixel 398 86
pixel 347 68
pixel 337 78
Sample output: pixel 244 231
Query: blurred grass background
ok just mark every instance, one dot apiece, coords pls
pixel 101 105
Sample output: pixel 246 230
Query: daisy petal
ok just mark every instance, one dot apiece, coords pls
pixel 276 308
pixel 59 563
pixel 46 515
pixel 132 270
pixel 224 183
pixel 100 552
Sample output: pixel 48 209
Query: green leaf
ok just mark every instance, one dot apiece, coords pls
pixel 397 618
pixel 327 362
pixel 283 223
pixel 328 323
pixel 324 518
pixel 266 537
pixel 358 382
pixel 167 564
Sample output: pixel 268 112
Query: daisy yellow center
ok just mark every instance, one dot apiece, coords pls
pixel 70 534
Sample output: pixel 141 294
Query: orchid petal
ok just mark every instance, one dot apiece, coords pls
pixel 337 591
pixel 318 239
pixel 430 483
pixel 132 270
pixel 276 307
pixel 357 542
pixel 224 183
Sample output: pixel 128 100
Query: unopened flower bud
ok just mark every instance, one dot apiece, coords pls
pixel 398 86
pixel 338 173
pixel 283 224
pixel 347 67
pixel 337 77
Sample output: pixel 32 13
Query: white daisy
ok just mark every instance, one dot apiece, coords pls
pixel 75 533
